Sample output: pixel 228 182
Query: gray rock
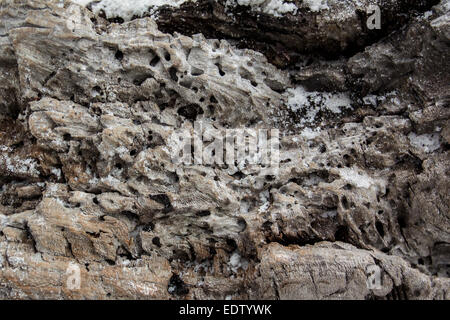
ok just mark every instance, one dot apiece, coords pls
pixel 90 114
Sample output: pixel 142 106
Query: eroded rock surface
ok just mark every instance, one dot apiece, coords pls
pixel 89 108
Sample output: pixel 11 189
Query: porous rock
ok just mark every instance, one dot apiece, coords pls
pixel 89 108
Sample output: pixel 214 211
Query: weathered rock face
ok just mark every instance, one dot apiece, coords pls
pixel 90 110
pixel 327 28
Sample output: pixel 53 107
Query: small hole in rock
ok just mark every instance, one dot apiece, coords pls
pixel 220 69
pixel 173 74
pixel 177 286
pixel 196 71
pixel 190 111
pixel 119 55
pixel 379 227
pixel 154 61
pixel 156 241
pixel 203 213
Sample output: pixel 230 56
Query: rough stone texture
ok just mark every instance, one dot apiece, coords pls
pixel 339 29
pixel 88 109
